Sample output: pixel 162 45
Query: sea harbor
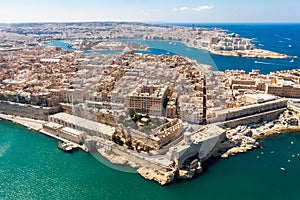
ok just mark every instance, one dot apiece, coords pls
pixel 162 115
pixel 37 125
pixel 281 149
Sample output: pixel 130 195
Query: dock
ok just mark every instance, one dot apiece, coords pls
pixel 37 125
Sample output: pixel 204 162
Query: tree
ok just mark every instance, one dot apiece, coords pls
pixel 131 113
pixel 147 149
pixel 137 145
pixel 128 142
pixel 138 117
pixel 117 139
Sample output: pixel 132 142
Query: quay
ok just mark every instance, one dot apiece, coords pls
pixel 37 125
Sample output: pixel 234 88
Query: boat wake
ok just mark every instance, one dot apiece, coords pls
pixel 3 149
pixel 266 63
pixel 287 39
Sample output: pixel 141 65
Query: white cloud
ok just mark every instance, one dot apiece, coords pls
pixel 199 8
pixel 203 8
pixel 184 8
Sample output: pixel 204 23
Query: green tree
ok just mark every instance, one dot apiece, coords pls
pixel 131 113
pixel 147 149
pixel 137 145
pixel 128 142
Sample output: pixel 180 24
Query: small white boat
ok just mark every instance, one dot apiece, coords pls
pixel 65 146
pixel 290 46
pixel 282 169
pixel 292 61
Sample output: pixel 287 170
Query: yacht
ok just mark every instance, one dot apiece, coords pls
pixel 65 146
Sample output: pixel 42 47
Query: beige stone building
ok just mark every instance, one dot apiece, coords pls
pixel 148 99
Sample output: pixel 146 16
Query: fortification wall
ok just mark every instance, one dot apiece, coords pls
pixel 254 119
pixel 26 110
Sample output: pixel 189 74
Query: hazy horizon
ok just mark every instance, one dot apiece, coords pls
pixel 176 11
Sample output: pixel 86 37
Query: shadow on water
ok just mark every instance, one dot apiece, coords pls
pixel 206 165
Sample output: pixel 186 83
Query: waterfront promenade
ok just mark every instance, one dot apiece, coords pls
pixel 37 125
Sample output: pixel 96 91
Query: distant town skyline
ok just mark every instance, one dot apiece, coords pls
pixel 203 11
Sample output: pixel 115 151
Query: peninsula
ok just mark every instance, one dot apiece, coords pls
pixel 107 36
pixel 162 115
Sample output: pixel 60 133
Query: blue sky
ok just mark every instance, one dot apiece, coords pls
pixel 155 10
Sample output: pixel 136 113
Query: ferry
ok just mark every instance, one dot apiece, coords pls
pixel 66 146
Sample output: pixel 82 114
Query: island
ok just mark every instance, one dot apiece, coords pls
pixel 162 115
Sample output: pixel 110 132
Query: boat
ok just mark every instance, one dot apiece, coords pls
pixel 290 46
pixel 65 146
pixel 292 61
pixel 282 169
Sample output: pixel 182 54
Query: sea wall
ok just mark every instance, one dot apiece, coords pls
pixel 26 110
pixel 258 118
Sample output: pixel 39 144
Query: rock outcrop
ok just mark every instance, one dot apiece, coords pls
pixel 162 176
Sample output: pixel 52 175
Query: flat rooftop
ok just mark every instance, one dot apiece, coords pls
pixel 261 97
pixel 50 60
pixel 84 123
pixel 210 132
pixel 53 125
pixel 72 131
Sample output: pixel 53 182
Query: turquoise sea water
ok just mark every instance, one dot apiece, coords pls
pixel 31 166
pixel 282 38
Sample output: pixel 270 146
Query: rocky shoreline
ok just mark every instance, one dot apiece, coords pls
pixel 240 139
pixel 253 53
pixel 249 136
pixel 162 175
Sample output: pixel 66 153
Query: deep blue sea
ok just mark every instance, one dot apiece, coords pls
pixel 282 38
pixel 31 166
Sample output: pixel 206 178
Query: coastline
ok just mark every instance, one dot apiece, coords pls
pixel 264 131
pixel 156 170
pixel 37 125
pixel 152 168
pixel 254 53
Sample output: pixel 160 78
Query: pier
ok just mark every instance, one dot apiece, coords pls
pixel 37 125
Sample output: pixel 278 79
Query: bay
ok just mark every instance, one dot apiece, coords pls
pixel 31 166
